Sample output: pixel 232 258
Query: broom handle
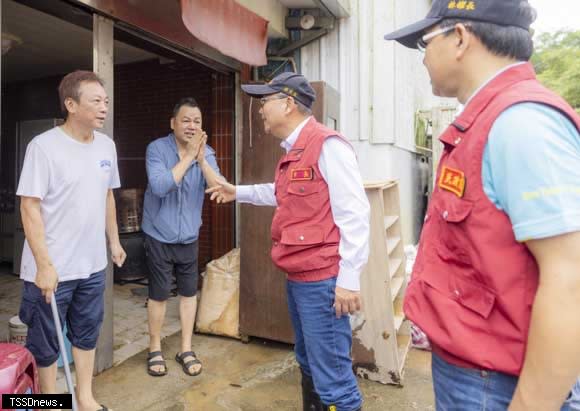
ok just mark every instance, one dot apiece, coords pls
pixel 67 373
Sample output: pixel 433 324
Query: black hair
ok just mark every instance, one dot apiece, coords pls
pixel 186 101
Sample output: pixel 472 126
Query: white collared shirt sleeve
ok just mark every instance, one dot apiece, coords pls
pixel 257 194
pixel 350 209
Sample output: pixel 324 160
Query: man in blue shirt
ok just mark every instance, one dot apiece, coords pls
pixel 178 169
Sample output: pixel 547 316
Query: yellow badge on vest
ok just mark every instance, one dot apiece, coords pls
pixel 452 180
pixel 332 408
pixel 301 174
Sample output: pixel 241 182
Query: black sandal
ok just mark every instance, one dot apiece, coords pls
pixel 151 363
pixel 180 358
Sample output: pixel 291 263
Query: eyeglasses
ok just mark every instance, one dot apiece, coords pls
pixel 264 100
pixel 422 42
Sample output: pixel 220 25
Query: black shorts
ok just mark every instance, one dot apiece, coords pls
pixel 164 261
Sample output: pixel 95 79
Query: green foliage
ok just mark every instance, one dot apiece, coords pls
pixel 557 62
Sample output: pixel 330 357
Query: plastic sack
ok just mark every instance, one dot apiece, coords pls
pixel 218 310
pixel 419 339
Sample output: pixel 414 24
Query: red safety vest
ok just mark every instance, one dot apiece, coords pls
pixel 304 236
pixel 473 284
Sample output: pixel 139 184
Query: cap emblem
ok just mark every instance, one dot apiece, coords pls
pixel 461 5
pixel 289 91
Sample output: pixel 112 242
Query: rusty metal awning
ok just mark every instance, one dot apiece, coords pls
pixel 228 27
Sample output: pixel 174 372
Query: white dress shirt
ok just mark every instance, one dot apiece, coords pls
pixel 348 202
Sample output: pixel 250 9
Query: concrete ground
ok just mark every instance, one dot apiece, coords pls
pixel 129 320
pixel 258 376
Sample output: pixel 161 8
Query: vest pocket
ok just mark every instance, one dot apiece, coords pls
pixel 473 295
pixel 451 244
pixel 303 198
pixel 303 188
pixel 467 292
pixel 302 236
pixel 453 210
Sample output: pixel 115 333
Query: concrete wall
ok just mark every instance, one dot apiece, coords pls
pixel 382 85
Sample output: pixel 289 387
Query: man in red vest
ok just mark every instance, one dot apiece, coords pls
pixel 496 285
pixel 320 235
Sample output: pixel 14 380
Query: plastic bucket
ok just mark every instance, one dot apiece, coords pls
pixel 17 331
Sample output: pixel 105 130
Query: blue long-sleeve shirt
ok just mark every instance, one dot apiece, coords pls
pixel 171 211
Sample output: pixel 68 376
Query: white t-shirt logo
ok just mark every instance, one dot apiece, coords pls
pixel 105 164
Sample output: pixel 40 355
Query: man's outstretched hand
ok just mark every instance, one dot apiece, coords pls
pixel 224 192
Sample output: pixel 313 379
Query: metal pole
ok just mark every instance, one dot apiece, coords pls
pixel 67 373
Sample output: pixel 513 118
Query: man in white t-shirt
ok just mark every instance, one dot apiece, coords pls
pixel 67 205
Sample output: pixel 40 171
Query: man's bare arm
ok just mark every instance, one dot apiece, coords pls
pixel 46 275
pixel 552 362
pixel 118 255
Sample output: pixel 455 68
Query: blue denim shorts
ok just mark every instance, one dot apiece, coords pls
pixel 80 305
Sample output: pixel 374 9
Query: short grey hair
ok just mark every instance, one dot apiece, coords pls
pixel 302 109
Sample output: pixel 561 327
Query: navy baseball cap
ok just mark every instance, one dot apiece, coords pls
pixel 291 84
pixel 502 12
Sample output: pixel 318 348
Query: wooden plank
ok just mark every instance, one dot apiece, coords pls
pixel 263 303
pixel 392 202
pixel 371 185
pixel 390 220
pixel 392 243
pixel 399 318
pixel 373 334
pixel 394 265
pixel 396 285
pixel 403 346
pixel 377 327
pixel 103 65
pixel 399 315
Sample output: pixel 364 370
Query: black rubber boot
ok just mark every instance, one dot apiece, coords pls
pixel 310 399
